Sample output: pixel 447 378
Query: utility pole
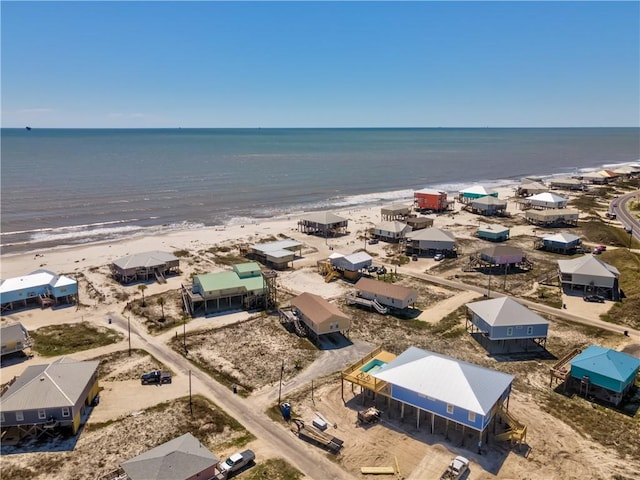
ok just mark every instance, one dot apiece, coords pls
pixel 190 402
pixel 280 388
pixel 129 328
pixel 184 334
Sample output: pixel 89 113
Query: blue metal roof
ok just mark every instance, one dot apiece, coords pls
pixel 608 363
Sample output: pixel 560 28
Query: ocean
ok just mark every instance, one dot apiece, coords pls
pixel 74 186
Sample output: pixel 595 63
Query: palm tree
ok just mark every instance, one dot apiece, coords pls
pixel 161 303
pixel 142 288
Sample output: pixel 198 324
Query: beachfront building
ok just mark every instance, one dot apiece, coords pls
pixel 502 325
pixel 45 397
pixel 14 338
pixel 41 287
pixel 530 187
pixel 566 184
pixel 489 206
pixel 278 254
pixel 183 458
pixel 438 388
pixel 595 178
pixel 430 199
pixel 430 241
pixel 319 316
pixel 392 231
pixel 473 193
pixel 565 243
pixel 590 274
pixel 493 232
pixel 243 288
pixel 553 217
pixel 419 223
pixel 325 224
pixel 603 373
pixel 146 265
pixel 547 200
pixel 395 212
pixel 389 295
pixel 502 257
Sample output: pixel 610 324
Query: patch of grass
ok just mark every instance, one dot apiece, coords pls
pixel 548 296
pixel 626 312
pixel 273 469
pixel 599 232
pixel 181 253
pixel 587 203
pixel 65 339
pixel 17 472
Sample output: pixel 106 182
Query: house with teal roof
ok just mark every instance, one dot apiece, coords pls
pixel 603 373
pixel 242 288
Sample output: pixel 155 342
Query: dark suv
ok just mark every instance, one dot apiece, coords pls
pixel 594 298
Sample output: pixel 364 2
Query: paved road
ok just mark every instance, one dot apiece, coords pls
pixel 310 460
pixel 620 207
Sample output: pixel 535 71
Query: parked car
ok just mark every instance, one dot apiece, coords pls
pixel 373 241
pixel 237 461
pixel 382 270
pixel 438 256
pixel 372 269
pixel 594 298
pixel 414 257
pixel 155 377
pixel 456 468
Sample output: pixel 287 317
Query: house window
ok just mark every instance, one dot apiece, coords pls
pixel 19 416
pixel 529 330
pixel 509 331
pixel 472 416
pixel 65 411
pixel 449 409
pixel 42 414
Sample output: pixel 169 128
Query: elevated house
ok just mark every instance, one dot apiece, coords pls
pixel 553 218
pixel 183 458
pixel 431 240
pixel 419 223
pixel 146 265
pixel 395 212
pixel 603 373
pixel 595 178
pixel 278 254
pixel 325 224
pixel 244 287
pixel 590 274
pixel 45 397
pixel 473 193
pixel 431 199
pixel 530 187
pixel 350 266
pixel 499 256
pixel 436 387
pixel 505 326
pixel 566 184
pixel 565 243
pixel 14 338
pixel 41 287
pixel 547 200
pixel 319 316
pixel 489 206
pixel 392 231
pixel 389 295
pixel 493 232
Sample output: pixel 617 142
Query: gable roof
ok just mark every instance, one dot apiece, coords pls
pixel 392 226
pixel 13 332
pixel 38 278
pixel 451 381
pixel 58 384
pixel 588 265
pixel 178 459
pixel 561 237
pixel 505 311
pixel 489 201
pixel 606 362
pixel 144 259
pixel 390 290
pixel 316 309
pixel 478 190
pixel 548 197
pixel 432 234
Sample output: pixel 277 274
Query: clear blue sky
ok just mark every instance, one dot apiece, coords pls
pixel 333 64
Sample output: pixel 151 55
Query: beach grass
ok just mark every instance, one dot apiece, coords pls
pixel 67 338
pixel 273 469
pixel 626 312
pixel 597 231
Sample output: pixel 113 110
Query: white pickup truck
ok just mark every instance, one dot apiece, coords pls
pixel 456 469
pixel 237 461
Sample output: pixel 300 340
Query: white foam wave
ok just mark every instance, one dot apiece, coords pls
pixel 68 227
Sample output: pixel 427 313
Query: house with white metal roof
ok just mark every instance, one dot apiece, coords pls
pixel 278 254
pixel 590 274
pixel 353 262
pixel 50 396
pixel 565 243
pixel 546 200
pixel 489 206
pixel 326 224
pixel 14 337
pixel 392 231
pixel 477 191
pixel 183 458
pixel 40 287
pixel 431 240
pixel 505 326
pixel 145 265
pixel 460 392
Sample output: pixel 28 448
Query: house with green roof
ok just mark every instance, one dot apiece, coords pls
pixel 242 288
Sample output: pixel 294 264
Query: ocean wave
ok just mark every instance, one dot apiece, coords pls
pixel 67 228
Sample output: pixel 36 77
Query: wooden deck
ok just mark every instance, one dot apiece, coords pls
pixel 355 375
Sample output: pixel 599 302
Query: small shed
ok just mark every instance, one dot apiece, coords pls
pixel 419 223
pixel 326 224
pixel 477 191
pixel 319 316
pixel 387 294
pixel 430 199
pixel 14 337
pixel 489 205
pixel 547 200
pixel 395 212
pixel 430 241
pixel 508 326
pixel 590 274
pixel 392 231
pixel 604 373
pixel 493 232
pixel 565 243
